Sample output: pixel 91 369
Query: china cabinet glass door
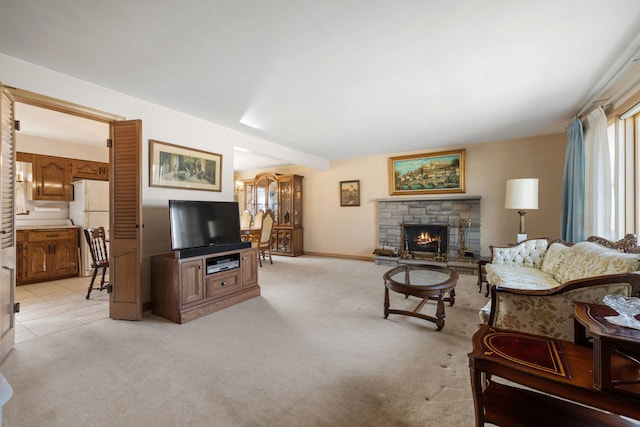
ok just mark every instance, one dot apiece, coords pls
pixel 261 194
pixel 249 200
pixel 266 194
pixel 273 198
pixel 297 201
pixel 285 202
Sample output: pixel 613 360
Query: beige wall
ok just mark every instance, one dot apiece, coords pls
pixel 54 147
pixel 352 231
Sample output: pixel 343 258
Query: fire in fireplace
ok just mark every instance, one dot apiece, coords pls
pixel 425 240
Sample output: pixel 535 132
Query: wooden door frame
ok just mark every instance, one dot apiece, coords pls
pixel 43 101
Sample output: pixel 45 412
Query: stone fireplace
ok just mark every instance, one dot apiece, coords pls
pixel 402 222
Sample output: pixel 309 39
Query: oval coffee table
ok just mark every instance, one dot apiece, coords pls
pixel 428 282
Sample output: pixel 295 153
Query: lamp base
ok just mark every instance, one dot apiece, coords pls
pixel 522 237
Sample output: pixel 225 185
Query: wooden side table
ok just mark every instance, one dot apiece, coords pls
pixel 609 340
pixel 559 378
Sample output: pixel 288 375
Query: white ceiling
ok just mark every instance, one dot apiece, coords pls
pixel 340 79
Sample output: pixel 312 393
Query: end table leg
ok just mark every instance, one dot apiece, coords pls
pixel 477 387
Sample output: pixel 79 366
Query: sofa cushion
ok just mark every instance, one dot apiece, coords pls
pixel 519 277
pixel 527 254
pixel 588 259
pixel 549 315
pixel 553 259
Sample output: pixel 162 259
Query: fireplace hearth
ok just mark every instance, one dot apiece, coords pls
pixel 425 241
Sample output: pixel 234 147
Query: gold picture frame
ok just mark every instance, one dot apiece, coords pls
pixel 350 193
pixel 429 173
pixel 173 166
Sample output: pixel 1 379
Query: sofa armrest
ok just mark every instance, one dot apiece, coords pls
pixel 548 312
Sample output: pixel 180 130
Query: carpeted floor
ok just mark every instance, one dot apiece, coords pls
pixel 312 350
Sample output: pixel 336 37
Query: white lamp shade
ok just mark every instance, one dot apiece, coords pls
pixel 521 194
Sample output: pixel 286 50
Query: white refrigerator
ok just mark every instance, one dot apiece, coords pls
pixel 89 209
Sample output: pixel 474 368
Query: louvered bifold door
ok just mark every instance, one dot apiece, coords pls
pixel 125 234
pixel 8 230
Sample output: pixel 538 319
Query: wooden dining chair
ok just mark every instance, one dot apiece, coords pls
pixel 264 243
pixel 97 241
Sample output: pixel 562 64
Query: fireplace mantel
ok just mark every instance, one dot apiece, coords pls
pixel 427 198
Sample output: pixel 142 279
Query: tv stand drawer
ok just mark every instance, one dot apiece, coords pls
pixel 222 283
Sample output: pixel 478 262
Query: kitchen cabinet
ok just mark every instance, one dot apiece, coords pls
pixel 20 242
pixel 46 254
pixel 87 169
pixel 52 179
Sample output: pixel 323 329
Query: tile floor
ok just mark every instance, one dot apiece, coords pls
pixel 49 307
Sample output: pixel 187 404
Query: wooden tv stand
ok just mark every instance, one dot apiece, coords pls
pixel 183 289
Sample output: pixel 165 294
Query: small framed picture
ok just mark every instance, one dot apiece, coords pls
pixel 350 193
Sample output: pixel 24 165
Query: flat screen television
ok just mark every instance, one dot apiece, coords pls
pixel 202 224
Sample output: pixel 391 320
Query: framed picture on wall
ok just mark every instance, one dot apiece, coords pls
pixel 430 173
pixel 173 166
pixel 350 193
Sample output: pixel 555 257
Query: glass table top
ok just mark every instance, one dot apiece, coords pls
pixel 419 276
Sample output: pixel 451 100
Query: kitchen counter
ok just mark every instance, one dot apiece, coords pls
pixel 45 227
pixel 43 224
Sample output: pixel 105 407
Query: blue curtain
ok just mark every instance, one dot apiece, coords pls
pixel 572 227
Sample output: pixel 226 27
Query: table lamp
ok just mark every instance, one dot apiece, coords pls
pixel 521 194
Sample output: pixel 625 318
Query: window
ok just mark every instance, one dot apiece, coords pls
pixel 624 139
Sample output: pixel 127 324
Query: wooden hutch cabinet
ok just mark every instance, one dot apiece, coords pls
pixel 283 195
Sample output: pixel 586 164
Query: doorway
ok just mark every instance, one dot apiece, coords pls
pixel 52 306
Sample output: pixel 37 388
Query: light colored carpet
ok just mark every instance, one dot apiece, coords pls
pixel 312 350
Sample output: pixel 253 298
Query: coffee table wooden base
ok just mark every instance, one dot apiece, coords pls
pixel 426 282
pixel 438 319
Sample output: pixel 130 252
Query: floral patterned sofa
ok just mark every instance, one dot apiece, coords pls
pixel 533 282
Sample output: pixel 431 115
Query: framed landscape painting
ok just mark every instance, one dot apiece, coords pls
pixel 431 173
pixel 350 193
pixel 174 166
